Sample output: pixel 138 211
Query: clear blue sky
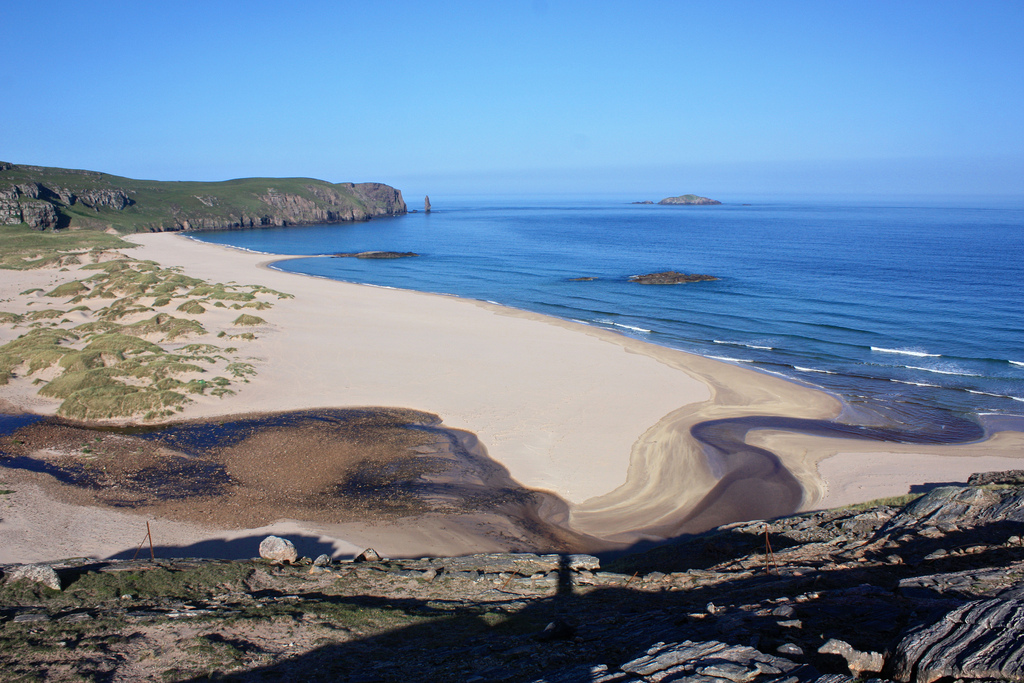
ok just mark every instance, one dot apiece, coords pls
pixel 653 98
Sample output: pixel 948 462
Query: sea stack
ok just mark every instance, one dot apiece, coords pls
pixel 426 203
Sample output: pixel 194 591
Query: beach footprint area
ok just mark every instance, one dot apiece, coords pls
pixel 364 417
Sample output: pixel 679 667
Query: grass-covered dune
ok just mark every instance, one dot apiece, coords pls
pixel 48 198
pixel 112 337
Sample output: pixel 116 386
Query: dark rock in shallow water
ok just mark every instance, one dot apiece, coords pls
pixel 646 201
pixel 377 254
pixel 582 279
pixel 669 277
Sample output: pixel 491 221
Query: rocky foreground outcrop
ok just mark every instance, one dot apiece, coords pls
pixel 933 591
pixel 47 198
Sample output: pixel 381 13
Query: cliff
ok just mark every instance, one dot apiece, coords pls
pixel 48 198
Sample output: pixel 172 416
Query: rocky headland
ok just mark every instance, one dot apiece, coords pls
pixel 930 590
pixel 53 198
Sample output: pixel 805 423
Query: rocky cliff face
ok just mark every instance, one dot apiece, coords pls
pixel 46 198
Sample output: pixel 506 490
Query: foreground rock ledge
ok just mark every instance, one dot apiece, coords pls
pixel 928 592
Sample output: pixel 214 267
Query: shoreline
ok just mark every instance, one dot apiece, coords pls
pixel 596 418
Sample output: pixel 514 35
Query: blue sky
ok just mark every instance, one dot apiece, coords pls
pixel 649 98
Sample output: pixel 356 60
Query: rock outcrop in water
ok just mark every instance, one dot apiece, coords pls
pixel 930 592
pixel 377 254
pixel 47 198
pixel 670 277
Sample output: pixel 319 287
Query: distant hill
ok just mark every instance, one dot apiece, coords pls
pixel 48 198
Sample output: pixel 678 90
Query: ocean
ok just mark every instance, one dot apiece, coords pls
pixel 912 313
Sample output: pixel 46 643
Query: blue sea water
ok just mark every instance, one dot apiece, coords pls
pixel 907 311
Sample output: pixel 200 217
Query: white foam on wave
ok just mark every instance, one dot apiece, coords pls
pixel 802 369
pixel 958 373
pixel 728 359
pixel 251 251
pixel 625 327
pixel 743 344
pixel 906 352
pixel 986 393
pixel 916 384
pixel 1016 362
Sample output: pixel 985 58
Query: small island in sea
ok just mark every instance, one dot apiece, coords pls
pixel 684 200
pixel 670 277
pixel 690 200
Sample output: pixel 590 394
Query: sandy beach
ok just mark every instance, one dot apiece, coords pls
pixel 599 421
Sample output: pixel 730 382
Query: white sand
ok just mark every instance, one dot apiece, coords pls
pixel 599 419
pixel 838 472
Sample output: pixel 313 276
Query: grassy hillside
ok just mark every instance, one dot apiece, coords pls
pixel 47 198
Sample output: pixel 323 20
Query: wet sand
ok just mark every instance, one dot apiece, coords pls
pixel 326 468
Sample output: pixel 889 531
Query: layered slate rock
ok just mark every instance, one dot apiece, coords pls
pixel 699 662
pixel 979 640
pixel 954 507
pixel 1005 478
pixel 42 574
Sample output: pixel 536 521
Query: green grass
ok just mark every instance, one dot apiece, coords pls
pixel 192 307
pixel 248 320
pixel 121 345
pixel 104 402
pixel 893 501
pixel 21 247
pixel 241 370
pixel 68 289
pixel 39 348
pixel 170 327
